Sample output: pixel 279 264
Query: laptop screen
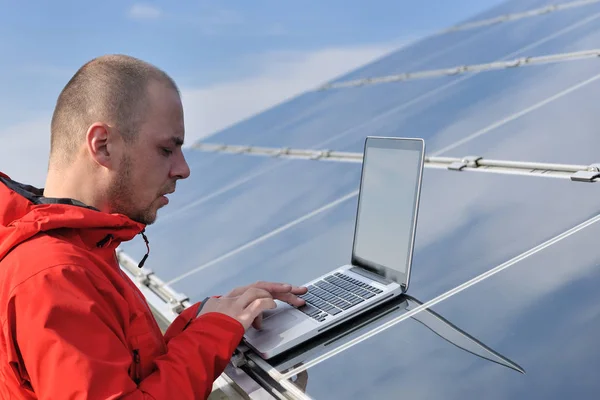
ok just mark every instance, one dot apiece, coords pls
pixel 387 208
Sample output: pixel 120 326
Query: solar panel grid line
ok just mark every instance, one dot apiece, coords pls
pixel 337 201
pixel 463 69
pixel 525 168
pixel 381 116
pixel 442 297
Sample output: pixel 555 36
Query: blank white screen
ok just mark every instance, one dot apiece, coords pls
pixel 387 205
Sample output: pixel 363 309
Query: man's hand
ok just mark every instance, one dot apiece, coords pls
pixel 245 308
pixel 246 304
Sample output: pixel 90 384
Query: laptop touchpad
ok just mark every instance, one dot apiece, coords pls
pixel 279 321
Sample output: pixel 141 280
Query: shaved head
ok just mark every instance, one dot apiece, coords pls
pixel 117 138
pixel 112 89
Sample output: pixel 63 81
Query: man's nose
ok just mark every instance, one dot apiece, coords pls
pixel 181 169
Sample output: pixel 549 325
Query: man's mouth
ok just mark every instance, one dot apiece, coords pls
pixel 164 197
pixel 169 192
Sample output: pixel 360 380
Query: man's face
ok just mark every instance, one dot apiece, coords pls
pixel 150 166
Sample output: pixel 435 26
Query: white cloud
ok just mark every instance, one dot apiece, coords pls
pixel 281 76
pixel 144 11
pixel 24 151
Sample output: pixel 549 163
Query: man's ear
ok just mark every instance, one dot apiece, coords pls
pixel 98 143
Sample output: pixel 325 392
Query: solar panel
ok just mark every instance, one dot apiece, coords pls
pixel 331 118
pixel 436 47
pixel 544 313
pixel 541 314
pixel 482 221
pixel 402 361
pixel 562 128
pixel 430 323
pixel 488 106
pixel 241 218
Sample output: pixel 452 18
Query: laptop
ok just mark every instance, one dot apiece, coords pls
pixel 381 257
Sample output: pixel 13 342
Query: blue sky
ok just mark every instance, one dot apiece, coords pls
pixel 231 59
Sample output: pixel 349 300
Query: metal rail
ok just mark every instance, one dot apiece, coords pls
pixel 516 16
pixel 171 302
pixel 577 173
pixel 462 69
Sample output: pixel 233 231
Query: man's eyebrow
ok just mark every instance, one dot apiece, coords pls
pixel 177 141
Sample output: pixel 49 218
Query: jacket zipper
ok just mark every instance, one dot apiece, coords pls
pixel 136 366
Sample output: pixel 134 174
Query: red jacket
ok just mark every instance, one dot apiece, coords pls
pixel 75 327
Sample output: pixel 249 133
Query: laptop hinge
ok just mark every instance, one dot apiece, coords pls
pixel 364 271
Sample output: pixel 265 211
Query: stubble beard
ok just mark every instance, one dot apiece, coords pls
pixel 122 197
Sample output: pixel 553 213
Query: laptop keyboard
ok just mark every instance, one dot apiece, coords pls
pixel 333 294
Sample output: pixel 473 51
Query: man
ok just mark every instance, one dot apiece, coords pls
pixel 74 326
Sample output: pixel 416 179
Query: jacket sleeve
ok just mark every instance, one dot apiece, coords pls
pixel 64 335
pixel 183 320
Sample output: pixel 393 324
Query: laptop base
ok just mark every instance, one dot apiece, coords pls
pixel 332 299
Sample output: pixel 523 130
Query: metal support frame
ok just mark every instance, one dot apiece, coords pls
pixel 174 301
pixel 574 172
pixel 462 69
pixel 469 161
pixel 589 175
pixel 516 16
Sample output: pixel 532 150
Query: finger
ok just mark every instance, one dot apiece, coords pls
pixel 299 289
pixel 273 287
pixel 258 306
pixel 253 294
pixel 257 323
pixel 290 298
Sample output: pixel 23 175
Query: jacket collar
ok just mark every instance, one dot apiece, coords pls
pixel 24 212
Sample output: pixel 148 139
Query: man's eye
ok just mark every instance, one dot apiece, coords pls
pixel 166 151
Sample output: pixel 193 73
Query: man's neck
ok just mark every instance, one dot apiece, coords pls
pixel 71 183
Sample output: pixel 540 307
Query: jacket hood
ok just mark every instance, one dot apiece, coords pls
pixel 25 212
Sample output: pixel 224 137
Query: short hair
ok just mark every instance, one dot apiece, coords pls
pixel 112 89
